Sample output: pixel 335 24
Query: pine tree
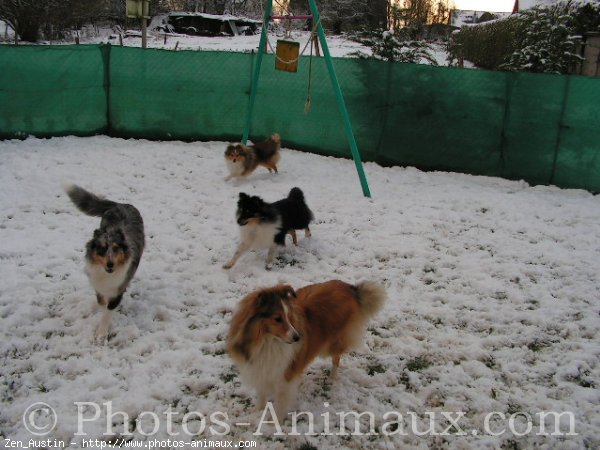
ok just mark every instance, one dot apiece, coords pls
pixel 396 45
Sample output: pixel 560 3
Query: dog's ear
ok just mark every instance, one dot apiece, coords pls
pixel 290 293
pixel 120 236
pixel 287 292
pixel 264 298
pixel 264 302
pixel 258 202
pixel 120 239
pixel 97 233
pixel 244 196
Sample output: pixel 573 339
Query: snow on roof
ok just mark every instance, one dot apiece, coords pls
pixel 462 17
pixel 527 4
pixel 223 17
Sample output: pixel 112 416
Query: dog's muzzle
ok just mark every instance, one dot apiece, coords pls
pixel 293 336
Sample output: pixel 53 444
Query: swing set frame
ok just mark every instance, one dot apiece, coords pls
pixel 332 75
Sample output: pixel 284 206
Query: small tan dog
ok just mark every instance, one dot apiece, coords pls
pixel 276 333
pixel 242 159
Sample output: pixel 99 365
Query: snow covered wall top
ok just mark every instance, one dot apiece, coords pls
pixel 527 4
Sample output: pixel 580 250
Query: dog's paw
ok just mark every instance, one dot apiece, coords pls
pixel 101 334
pixel 227 266
pixel 100 339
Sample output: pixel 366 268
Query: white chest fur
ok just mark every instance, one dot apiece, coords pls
pixel 235 168
pixel 107 284
pixel 259 236
pixel 267 366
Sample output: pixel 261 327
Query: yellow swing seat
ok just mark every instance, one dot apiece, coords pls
pixel 287 55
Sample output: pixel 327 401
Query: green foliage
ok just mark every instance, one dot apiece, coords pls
pixel 587 18
pixel 413 13
pixel 541 39
pixel 417 364
pixel 339 16
pixel 396 45
pixel 487 46
pixel 550 41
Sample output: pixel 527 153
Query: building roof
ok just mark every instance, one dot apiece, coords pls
pixel 462 17
pixel 223 17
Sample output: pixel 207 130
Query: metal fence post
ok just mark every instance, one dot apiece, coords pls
pixel 254 86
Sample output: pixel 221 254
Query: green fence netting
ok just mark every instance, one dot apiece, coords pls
pixel 161 94
pixel 544 129
pixel 53 90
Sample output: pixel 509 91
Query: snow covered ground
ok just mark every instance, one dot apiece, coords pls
pixel 492 317
pixel 339 45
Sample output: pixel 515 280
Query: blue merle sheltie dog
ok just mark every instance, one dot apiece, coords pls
pixel 265 225
pixel 114 252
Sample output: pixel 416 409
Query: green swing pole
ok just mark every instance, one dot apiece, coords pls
pixel 262 46
pixel 340 100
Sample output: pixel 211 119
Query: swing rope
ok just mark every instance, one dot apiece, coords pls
pixel 288 29
pixel 292 61
pixel 313 43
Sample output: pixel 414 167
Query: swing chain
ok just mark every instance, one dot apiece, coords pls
pixel 288 29
pixel 313 41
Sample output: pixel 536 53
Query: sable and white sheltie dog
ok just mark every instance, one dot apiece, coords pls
pixel 114 252
pixel 265 225
pixel 242 159
pixel 276 332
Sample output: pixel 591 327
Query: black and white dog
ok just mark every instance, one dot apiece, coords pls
pixel 265 225
pixel 114 253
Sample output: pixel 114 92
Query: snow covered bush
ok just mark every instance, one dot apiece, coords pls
pixel 396 45
pixel 486 45
pixel 542 39
pixel 549 42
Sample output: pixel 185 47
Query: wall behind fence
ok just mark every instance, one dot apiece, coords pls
pixel 541 128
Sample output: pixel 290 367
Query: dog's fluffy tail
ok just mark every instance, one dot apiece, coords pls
pixel 296 195
pixel 371 296
pixel 266 150
pixel 86 202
